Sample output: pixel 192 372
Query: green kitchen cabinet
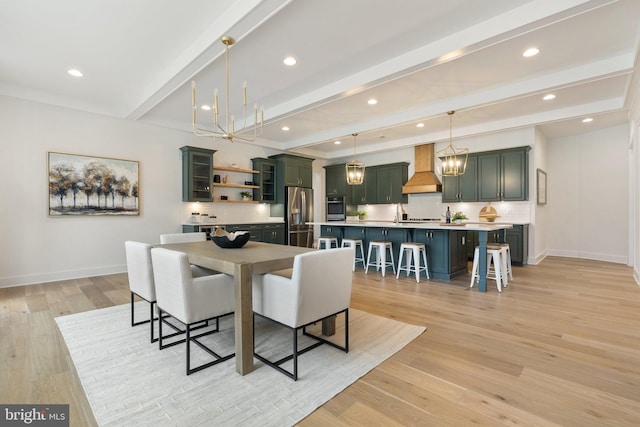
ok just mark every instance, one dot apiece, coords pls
pixel 336 180
pixel 197 174
pixel 266 193
pixel 371 185
pixel 503 175
pixel 518 239
pixel 446 251
pixel 390 179
pixel 273 233
pixel 458 261
pixel 254 229
pixel 462 188
pixel 396 236
pixel 331 231
pixel 293 171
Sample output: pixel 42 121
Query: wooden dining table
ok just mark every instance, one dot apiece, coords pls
pixel 242 264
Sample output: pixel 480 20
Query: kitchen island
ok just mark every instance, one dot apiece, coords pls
pixel 446 243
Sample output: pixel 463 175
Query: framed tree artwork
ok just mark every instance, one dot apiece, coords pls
pixel 87 185
pixel 541 185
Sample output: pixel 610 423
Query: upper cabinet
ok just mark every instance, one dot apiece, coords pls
pixel 292 171
pixel 390 179
pixel 382 184
pixel 490 176
pixel 266 191
pixel 336 180
pixel 463 188
pixel 503 175
pixel 197 174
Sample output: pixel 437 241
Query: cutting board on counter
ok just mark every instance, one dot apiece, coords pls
pixel 488 214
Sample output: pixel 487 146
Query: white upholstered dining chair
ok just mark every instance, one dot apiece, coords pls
pixel 316 288
pixel 191 300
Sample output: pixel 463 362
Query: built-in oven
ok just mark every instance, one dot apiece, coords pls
pixel 336 208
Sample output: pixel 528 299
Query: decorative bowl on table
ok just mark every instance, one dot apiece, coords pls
pixel 231 240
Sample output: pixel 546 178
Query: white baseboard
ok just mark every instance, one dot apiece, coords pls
pixel 588 255
pixel 32 279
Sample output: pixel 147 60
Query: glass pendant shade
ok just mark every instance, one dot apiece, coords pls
pixel 454 159
pixel 355 172
pixel 355 169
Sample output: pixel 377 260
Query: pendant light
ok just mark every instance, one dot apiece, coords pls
pixel 227 128
pixel 454 159
pixel 355 169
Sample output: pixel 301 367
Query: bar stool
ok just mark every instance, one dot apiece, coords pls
pixel 493 255
pixel 381 262
pixel 356 243
pixel 327 241
pixel 505 250
pixel 413 250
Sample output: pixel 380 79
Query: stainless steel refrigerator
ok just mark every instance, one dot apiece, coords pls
pixel 298 205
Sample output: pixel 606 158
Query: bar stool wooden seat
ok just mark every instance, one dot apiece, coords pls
pixel 327 241
pixel 380 247
pixel 355 243
pixel 413 250
pixel 505 250
pixel 493 257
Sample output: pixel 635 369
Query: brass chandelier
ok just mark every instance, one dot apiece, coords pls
pixel 227 130
pixel 355 169
pixel 454 159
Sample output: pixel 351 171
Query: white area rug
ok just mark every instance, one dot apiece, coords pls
pixel 128 381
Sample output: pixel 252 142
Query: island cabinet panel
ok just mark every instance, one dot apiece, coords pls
pixel 331 231
pixel 396 236
pixel 518 239
pixel 355 233
pixel 437 244
pixel 446 252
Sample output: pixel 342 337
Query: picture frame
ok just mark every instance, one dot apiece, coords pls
pixel 541 186
pixel 81 185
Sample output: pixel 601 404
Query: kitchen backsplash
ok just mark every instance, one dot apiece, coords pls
pixel 431 206
pixel 228 213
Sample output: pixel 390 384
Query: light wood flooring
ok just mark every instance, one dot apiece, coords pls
pixel 559 346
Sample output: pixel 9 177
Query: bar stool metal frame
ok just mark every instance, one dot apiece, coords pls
pixel 328 241
pixel 505 252
pixel 493 257
pixel 413 251
pixel 381 262
pixel 356 243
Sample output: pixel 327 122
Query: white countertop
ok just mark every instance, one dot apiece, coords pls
pixel 232 222
pixel 474 226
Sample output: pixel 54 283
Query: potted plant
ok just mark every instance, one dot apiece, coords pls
pixel 246 195
pixel 458 217
pixel 361 214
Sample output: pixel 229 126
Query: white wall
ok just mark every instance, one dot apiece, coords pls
pixel 37 248
pixel 540 223
pixel 588 198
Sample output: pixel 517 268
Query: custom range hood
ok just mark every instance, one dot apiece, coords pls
pixel 424 180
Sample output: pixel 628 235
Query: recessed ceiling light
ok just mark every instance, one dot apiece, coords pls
pixel 337 142
pixel 75 73
pixel 548 97
pixel 587 120
pixel 290 61
pixel 420 125
pixel 372 101
pixel 532 51
pixel 205 107
pixel 285 128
